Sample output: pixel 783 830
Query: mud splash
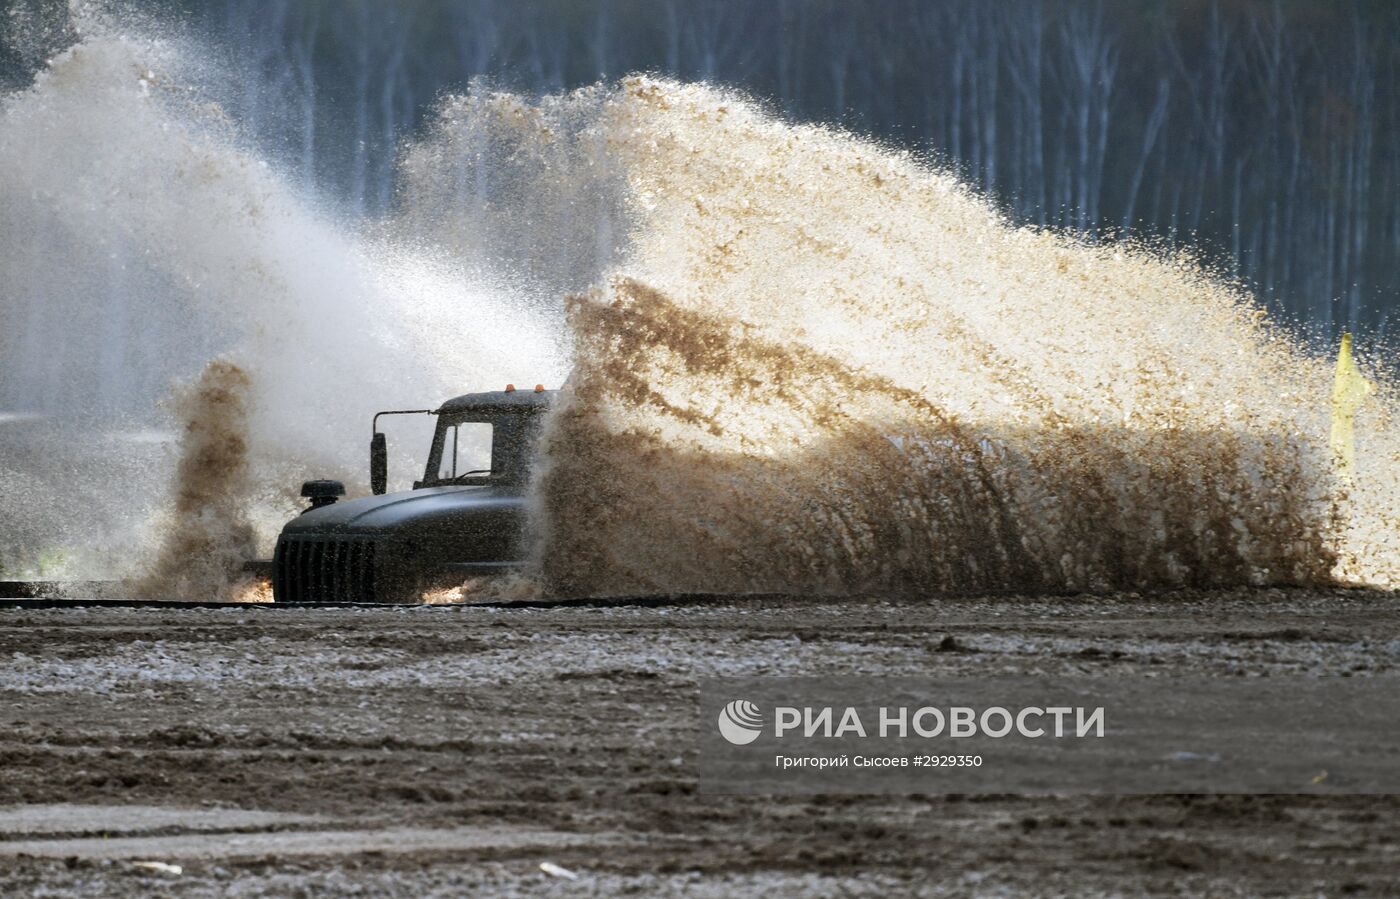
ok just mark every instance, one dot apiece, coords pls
pixel 209 535
pixel 832 479
pixel 492 589
pixel 828 367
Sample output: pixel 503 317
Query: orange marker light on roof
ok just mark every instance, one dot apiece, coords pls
pixel 539 388
pixel 510 388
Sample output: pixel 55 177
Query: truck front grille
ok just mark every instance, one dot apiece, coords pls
pixel 318 569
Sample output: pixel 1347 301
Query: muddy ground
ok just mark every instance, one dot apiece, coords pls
pixel 450 751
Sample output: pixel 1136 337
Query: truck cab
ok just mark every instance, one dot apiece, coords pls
pixel 466 518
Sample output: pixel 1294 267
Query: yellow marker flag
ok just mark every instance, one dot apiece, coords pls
pixel 1348 390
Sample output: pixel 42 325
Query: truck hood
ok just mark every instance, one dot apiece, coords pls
pixel 429 507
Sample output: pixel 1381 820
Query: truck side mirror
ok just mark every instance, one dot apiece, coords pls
pixel 378 464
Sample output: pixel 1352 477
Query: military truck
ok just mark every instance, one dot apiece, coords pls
pixel 465 518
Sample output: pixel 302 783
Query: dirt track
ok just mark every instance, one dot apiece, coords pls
pixel 450 751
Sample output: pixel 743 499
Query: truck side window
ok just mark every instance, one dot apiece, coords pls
pixel 466 449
